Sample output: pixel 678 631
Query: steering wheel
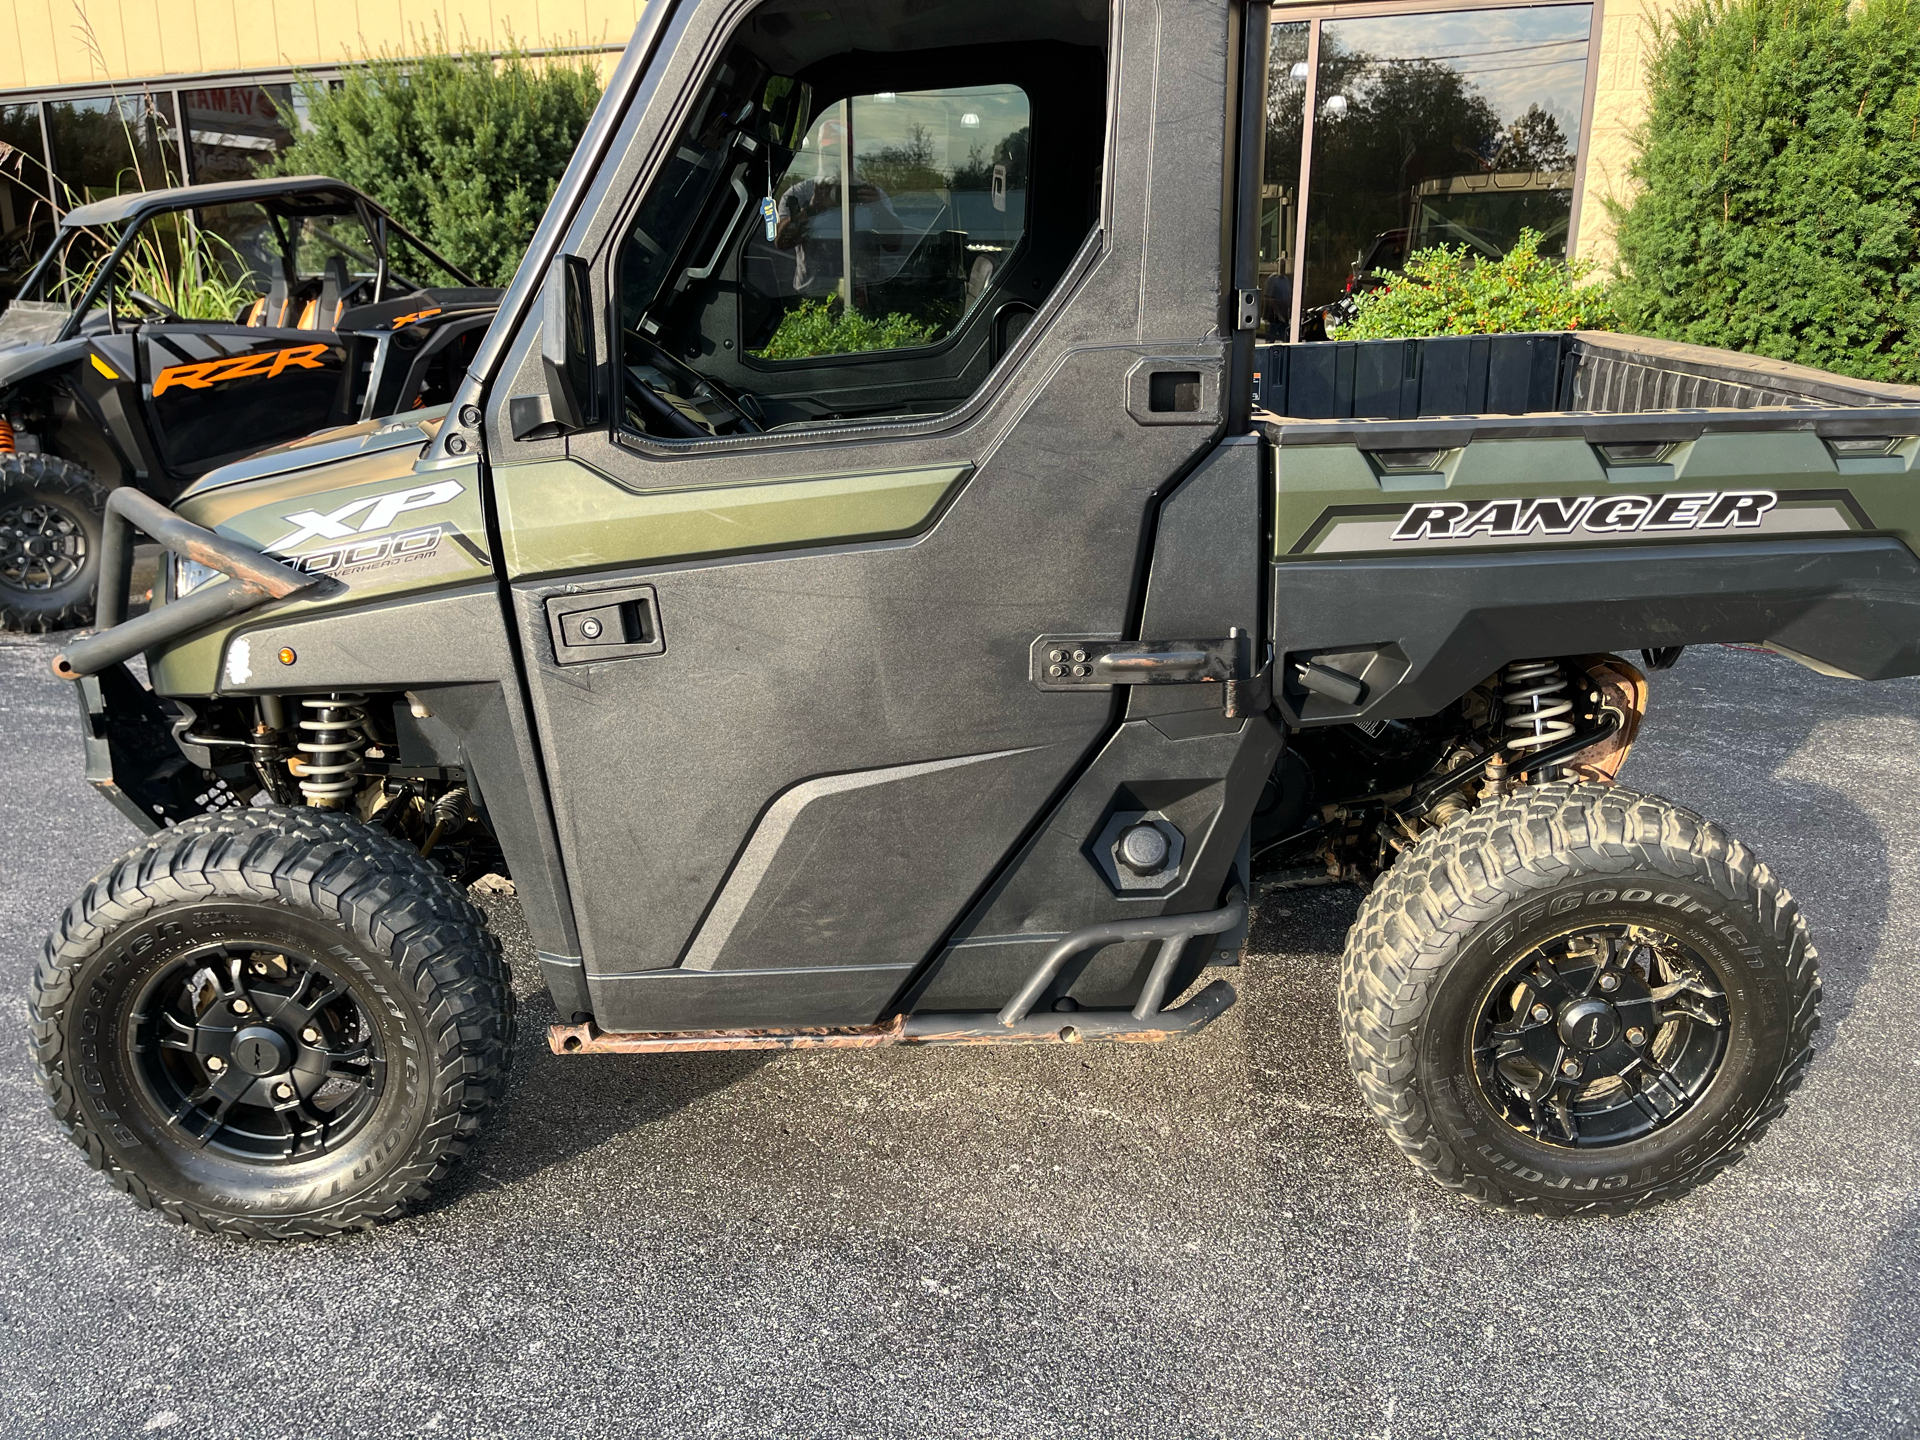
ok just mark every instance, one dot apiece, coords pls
pixel 150 305
pixel 719 391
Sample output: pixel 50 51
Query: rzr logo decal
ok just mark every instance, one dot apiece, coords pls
pixel 1599 515
pixel 264 365
pixel 380 511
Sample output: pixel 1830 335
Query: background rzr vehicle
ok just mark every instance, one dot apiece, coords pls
pixel 862 596
pixel 313 309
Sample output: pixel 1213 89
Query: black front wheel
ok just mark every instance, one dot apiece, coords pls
pixel 272 1023
pixel 51 515
pixel 1578 999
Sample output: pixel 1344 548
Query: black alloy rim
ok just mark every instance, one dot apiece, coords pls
pixel 1600 1037
pixel 257 1053
pixel 42 547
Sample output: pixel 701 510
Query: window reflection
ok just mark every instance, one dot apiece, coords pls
pixel 1457 129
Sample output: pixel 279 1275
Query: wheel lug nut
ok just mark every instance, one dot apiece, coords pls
pixel 310 1035
pixel 1570 1068
pixel 283 1092
pixel 1542 1014
pixel 1609 982
pixel 1636 1036
pixel 216 1064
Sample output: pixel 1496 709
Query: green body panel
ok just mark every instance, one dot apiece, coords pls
pixel 560 515
pixel 1333 500
pixel 260 512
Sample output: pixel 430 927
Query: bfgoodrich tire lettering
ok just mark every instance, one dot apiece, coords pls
pixel 302 939
pixel 1452 930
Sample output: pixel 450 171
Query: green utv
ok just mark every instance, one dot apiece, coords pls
pixel 963 692
pixel 308 306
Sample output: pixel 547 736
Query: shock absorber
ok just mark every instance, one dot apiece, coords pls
pixel 6 436
pixel 333 736
pixel 1534 706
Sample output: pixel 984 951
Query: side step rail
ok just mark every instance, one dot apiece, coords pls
pixel 1146 1023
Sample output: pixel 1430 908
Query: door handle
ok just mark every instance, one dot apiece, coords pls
pixel 593 625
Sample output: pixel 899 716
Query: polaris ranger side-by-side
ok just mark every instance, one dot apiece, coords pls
pixel 892 601
pixel 339 315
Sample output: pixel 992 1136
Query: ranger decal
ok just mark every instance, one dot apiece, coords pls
pixel 1598 514
pixel 1444 522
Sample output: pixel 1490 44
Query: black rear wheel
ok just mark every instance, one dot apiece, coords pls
pixel 51 514
pixel 1578 999
pixel 272 1023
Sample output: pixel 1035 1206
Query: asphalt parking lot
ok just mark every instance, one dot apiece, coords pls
pixel 1195 1240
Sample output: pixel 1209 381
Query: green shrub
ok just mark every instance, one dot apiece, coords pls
pixel 463 149
pixel 1778 177
pixel 823 327
pixel 1447 291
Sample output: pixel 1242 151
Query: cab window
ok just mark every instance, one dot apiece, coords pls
pixel 846 236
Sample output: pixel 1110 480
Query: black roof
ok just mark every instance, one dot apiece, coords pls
pixel 314 190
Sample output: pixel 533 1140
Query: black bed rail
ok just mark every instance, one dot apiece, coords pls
pixel 254 578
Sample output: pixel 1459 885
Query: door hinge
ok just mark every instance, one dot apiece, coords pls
pixel 1086 662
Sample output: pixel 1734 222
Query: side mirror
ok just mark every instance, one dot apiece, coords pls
pixel 566 342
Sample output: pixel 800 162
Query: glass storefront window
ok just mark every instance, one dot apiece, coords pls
pixel 112 144
pixel 1454 128
pixel 26 214
pixel 233 129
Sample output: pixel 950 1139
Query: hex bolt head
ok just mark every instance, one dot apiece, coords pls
pixel 311 1035
pixel 1570 1068
pixel 216 1064
pixel 241 1007
pixel 469 414
pixel 1542 1014
pixel 1609 981
pixel 1636 1036
pixel 283 1092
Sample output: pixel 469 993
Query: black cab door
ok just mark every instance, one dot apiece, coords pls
pixel 896 348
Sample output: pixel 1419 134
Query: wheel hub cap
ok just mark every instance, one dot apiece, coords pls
pixel 261 1050
pixel 1589 1024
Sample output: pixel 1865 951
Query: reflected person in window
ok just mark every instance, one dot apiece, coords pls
pixel 817 256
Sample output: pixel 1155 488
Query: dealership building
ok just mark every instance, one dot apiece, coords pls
pixel 1400 123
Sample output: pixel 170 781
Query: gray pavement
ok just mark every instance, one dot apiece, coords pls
pixel 1195 1240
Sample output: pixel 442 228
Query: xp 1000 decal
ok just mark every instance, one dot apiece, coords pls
pixel 351 547
pixel 1447 523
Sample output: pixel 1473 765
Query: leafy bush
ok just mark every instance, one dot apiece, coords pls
pixel 1446 290
pixel 464 150
pixel 824 327
pixel 1779 174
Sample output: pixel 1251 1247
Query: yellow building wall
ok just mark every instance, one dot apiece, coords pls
pixel 75 42
pixel 1619 105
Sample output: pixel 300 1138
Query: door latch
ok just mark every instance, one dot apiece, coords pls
pixel 1087 662
pixel 605 625
pixel 1247 310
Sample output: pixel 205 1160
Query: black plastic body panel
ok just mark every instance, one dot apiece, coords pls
pixel 1852 605
pixel 451 650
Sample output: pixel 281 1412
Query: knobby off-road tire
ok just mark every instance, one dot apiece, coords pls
pixel 51 515
pixel 1507 943
pixel 334 1002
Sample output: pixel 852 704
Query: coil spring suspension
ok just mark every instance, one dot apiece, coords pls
pixel 1534 705
pixel 6 436
pixel 332 736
